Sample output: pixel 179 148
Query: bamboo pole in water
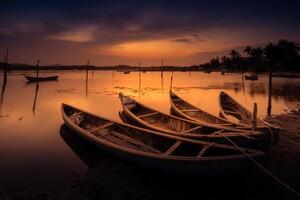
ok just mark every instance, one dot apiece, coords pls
pixel 270 93
pixel 2 95
pixel 171 83
pixel 86 78
pixel 140 79
pixel 37 71
pixel 5 66
pixel 35 98
pixel 254 117
pixel 162 76
pixel 162 71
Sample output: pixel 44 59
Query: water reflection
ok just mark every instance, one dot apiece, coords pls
pixel 200 89
pixel 87 80
pixel 2 95
pixel 35 97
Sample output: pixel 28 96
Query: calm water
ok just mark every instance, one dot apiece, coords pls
pixel 36 154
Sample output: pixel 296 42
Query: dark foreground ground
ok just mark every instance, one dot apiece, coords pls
pixel 110 178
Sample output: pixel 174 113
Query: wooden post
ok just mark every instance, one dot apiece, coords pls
pixel 270 93
pixel 37 71
pixel 87 78
pixel 254 117
pixel 35 97
pixel 5 66
pixel 162 65
pixel 171 84
pixel 139 78
pixel 2 95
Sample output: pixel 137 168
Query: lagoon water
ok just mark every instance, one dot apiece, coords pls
pixel 36 153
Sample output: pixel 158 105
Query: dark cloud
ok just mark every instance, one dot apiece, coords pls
pixel 104 22
pixel 150 18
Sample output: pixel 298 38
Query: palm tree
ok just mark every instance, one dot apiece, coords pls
pixel 234 54
pixel 248 50
pixel 236 58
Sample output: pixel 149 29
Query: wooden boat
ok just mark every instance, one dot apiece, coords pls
pixel 188 111
pixel 157 150
pixel 252 77
pixel 230 107
pixel 43 78
pixel 149 118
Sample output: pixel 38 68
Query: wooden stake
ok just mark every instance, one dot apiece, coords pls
pixel 270 93
pixel 86 78
pixel 139 79
pixel 5 66
pixel 37 70
pixel 162 65
pixel 254 117
pixel 171 84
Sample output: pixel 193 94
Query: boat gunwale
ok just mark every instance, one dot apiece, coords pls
pixel 200 110
pixel 146 124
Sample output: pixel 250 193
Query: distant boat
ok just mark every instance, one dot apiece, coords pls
pixel 157 150
pixel 252 77
pixel 126 72
pixel 152 119
pixel 43 78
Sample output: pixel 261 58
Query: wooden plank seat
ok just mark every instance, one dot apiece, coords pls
pixel 190 110
pixel 191 130
pixel 203 150
pixel 173 148
pixel 148 114
pixel 93 130
pixel 125 140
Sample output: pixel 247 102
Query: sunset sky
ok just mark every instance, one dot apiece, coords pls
pixel 124 32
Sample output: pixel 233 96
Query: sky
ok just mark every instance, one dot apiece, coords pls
pixel 126 32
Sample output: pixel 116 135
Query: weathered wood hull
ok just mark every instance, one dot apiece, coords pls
pixel 208 132
pixel 202 167
pixel 188 111
pixel 230 107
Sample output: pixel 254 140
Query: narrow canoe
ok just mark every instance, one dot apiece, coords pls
pixel 157 150
pixel 43 78
pixel 149 118
pixel 230 107
pixel 188 111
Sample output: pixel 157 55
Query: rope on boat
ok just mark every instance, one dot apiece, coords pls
pixel 262 167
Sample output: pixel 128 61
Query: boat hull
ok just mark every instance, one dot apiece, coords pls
pixel 35 79
pixel 215 166
pixel 205 169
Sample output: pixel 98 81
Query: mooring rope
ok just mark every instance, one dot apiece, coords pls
pixel 262 168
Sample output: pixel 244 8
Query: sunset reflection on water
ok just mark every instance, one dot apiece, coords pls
pixel 30 139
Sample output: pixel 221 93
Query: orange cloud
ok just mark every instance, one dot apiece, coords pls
pixel 148 49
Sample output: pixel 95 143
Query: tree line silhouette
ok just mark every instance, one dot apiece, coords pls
pixel 280 56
